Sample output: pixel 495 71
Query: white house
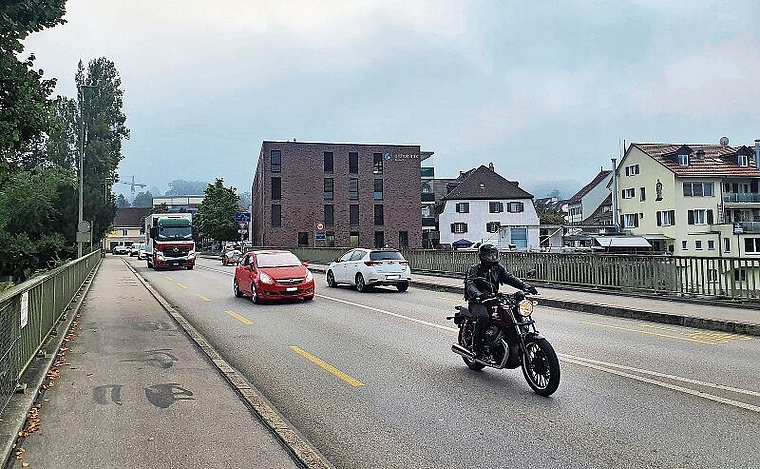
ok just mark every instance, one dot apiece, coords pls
pixel 485 207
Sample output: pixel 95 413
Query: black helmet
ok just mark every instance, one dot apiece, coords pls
pixel 488 254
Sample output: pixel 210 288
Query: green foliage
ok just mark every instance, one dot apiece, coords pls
pixel 161 208
pixel 181 187
pixel 216 215
pixel 121 201
pixel 143 199
pixel 549 214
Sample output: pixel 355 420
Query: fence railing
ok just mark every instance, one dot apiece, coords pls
pixel 725 277
pixel 29 312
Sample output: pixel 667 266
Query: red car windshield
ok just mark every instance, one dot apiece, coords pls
pixel 277 259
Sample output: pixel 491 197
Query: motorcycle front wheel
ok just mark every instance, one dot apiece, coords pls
pixel 541 367
pixel 465 340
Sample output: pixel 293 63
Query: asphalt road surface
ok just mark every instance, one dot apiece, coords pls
pixel 371 381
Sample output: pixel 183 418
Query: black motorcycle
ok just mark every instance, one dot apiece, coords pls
pixel 511 341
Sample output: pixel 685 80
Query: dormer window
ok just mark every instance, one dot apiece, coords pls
pixel 683 159
pixel 742 160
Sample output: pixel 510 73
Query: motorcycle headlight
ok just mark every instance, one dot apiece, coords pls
pixel 525 308
pixel 266 279
pixel 309 276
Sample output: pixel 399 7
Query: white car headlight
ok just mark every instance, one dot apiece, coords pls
pixel 309 276
pixel 525 308
pixel 266 279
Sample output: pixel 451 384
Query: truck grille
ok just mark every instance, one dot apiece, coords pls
pixel 177 251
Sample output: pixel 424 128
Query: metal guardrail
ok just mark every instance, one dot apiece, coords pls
pixel 714 277
pixel 29 313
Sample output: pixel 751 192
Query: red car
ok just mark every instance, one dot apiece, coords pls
pixel 272 275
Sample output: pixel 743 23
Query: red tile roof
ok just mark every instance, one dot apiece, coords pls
pixel 717 160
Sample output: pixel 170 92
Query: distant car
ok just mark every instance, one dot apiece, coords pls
pixel 134 250
pixel 272 275
pixel 143 254
pixel 120 249
pixel 366 268
pixel 231 257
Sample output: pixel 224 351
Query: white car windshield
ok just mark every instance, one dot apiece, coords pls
pixel 277 259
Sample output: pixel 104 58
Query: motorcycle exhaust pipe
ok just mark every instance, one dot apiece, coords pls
pixel 458 349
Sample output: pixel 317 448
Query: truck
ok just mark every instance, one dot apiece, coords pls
pixel 169 240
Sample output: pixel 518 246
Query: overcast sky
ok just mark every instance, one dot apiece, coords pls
pixel 547 91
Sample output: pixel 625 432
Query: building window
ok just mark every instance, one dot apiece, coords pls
pixel 329 189
pixel 666 218
pixel 629 193
pixel 124 232
pixel 493 226
pixel 353 239
pixel 710 245
pixel 698 189
pixel 329 215
pixel 378 189
pixel 632 170
pixel 276 188
pixel 515 207
pixel 683 159
pixel 631 220
pixel 712 275
pixel 353 162
pixel 377 163
pixel 275 161
pixel 303 238
pixel 328 162
pixel 276 215
pixel 743 160
pixel 379 239
pixel 353 214
pixel 463 207
pixel 642 194
pixel 353 189
pixel 459 227
pixel 403 239
pixel 740 275
pixel 726 245
pixel 698 245
pixel 684 245
pixel 495 207
pixel 379 215
pixel 700 217
pixel 330 238
pixel 752 245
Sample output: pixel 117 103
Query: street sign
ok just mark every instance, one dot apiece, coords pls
pixel 319 226
pixel 83 237
pixel 84 226
pixel 242 231
pixel 243 225
pixel 319 237
pixel 242 217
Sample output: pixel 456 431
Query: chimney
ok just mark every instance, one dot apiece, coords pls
pixel 614 196
pixel 757 153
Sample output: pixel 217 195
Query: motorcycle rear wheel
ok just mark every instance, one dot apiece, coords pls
pixel 465 340
pixel 541 367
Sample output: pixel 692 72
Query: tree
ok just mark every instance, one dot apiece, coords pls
pixel 180 187
pixel 161 208
pixel 216 214
pixel 549 214
pixel 143 199
pixel 121 201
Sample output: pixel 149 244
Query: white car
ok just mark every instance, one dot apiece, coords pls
pixel 143 254
pixel 366 268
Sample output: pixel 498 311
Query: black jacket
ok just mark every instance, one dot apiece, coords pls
pixel 494 275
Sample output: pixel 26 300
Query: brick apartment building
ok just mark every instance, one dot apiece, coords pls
pixel 337 194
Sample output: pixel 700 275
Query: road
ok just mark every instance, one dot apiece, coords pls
pixel 370 380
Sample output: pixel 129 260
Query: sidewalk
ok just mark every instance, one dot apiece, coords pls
pixel 700 315
pixel 130 389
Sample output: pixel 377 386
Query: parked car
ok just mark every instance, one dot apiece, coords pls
pixel 143 254
pixel 272 275
pixel 120 249
pixel 231 257
pixel 134 250
pixel 366 268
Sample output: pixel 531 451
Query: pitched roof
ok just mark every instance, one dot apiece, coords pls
pixel 131 217
pixel 591 185
pixel 483 183
pixel 704 160
pixel 600 216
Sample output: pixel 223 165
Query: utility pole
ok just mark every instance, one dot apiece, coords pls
pixel 82 227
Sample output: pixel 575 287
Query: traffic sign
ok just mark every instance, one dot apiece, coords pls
pixel 319 237
pixel 319 226
pixel 242 217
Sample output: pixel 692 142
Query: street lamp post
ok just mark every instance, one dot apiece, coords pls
pixel 80 218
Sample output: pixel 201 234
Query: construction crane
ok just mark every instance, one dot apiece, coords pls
pixel 133 184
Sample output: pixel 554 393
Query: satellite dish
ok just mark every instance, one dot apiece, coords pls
pixel 724 141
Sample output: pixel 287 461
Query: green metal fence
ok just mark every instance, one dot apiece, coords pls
pixel 712 277
pixel 29 313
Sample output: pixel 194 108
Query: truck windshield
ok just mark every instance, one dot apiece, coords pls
pixel 168 233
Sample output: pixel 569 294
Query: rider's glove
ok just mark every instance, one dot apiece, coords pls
pixel 530 289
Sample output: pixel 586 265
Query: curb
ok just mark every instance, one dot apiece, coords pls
pixel 300 450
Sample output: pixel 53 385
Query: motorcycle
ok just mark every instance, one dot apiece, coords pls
pixel 511 341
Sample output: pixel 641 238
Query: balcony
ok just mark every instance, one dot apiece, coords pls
pixel 427 172
pixel 741 198
pixel 428 197
pixel 428 222
pixel 750 226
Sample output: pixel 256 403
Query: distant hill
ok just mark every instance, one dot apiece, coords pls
pixel 541 189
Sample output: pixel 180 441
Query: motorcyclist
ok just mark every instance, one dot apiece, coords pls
pixel 480 283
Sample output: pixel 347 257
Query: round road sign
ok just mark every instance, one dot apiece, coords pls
pixel 319 226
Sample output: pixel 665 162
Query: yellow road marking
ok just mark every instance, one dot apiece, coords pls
pixel 203 298
pixel 181 285
pixel 169 278
pixel 239 318
pixel 327 367
pixel 687 339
